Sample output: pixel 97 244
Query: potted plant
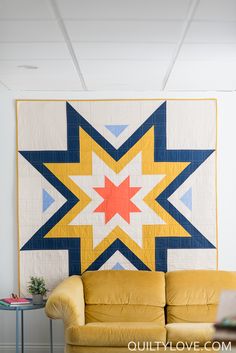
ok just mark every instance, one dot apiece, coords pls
pixel 37 288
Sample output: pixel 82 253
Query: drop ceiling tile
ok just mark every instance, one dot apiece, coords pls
pixel 203 75
pixel 124 31
pixel 30 31
pixel 212 32
pixel 123 9
pixel 50 75
pixel 220 10
pixel 32 51
pixel 45 85
pixel 123 51
pixel 208 52
pixel 25 9
pixel 123 75
pixel 203 66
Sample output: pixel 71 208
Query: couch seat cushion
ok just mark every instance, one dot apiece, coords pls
pixel 116 334
pixel 189 332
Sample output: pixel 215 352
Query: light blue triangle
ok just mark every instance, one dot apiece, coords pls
pixel 47 200
pixel 186 198
pixel 116 130
pixel 117 266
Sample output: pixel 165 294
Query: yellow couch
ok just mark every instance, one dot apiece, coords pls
pixel 104 311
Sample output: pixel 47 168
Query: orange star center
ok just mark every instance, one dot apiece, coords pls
pixel 117 199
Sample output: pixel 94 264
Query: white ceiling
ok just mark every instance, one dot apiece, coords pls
pixel 118 45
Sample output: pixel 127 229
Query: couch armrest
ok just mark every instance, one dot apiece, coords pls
pixel 66 302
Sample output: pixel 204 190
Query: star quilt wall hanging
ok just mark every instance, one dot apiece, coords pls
pixel 116 184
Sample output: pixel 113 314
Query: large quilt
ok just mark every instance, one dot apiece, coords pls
pixel 116 184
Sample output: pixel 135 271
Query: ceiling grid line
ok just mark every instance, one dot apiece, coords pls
pixel 68 42
pixel 4 85
pixel 186 25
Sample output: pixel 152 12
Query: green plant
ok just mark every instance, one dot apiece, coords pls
pixel 37 286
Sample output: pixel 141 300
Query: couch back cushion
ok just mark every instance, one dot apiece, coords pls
pixel 135 296
pixel 193 296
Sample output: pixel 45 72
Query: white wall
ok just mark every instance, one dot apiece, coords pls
pixel 36 324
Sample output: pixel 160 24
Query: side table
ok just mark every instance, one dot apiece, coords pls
pixel 20 312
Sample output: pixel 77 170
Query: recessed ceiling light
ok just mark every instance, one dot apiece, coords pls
pixel 28 67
